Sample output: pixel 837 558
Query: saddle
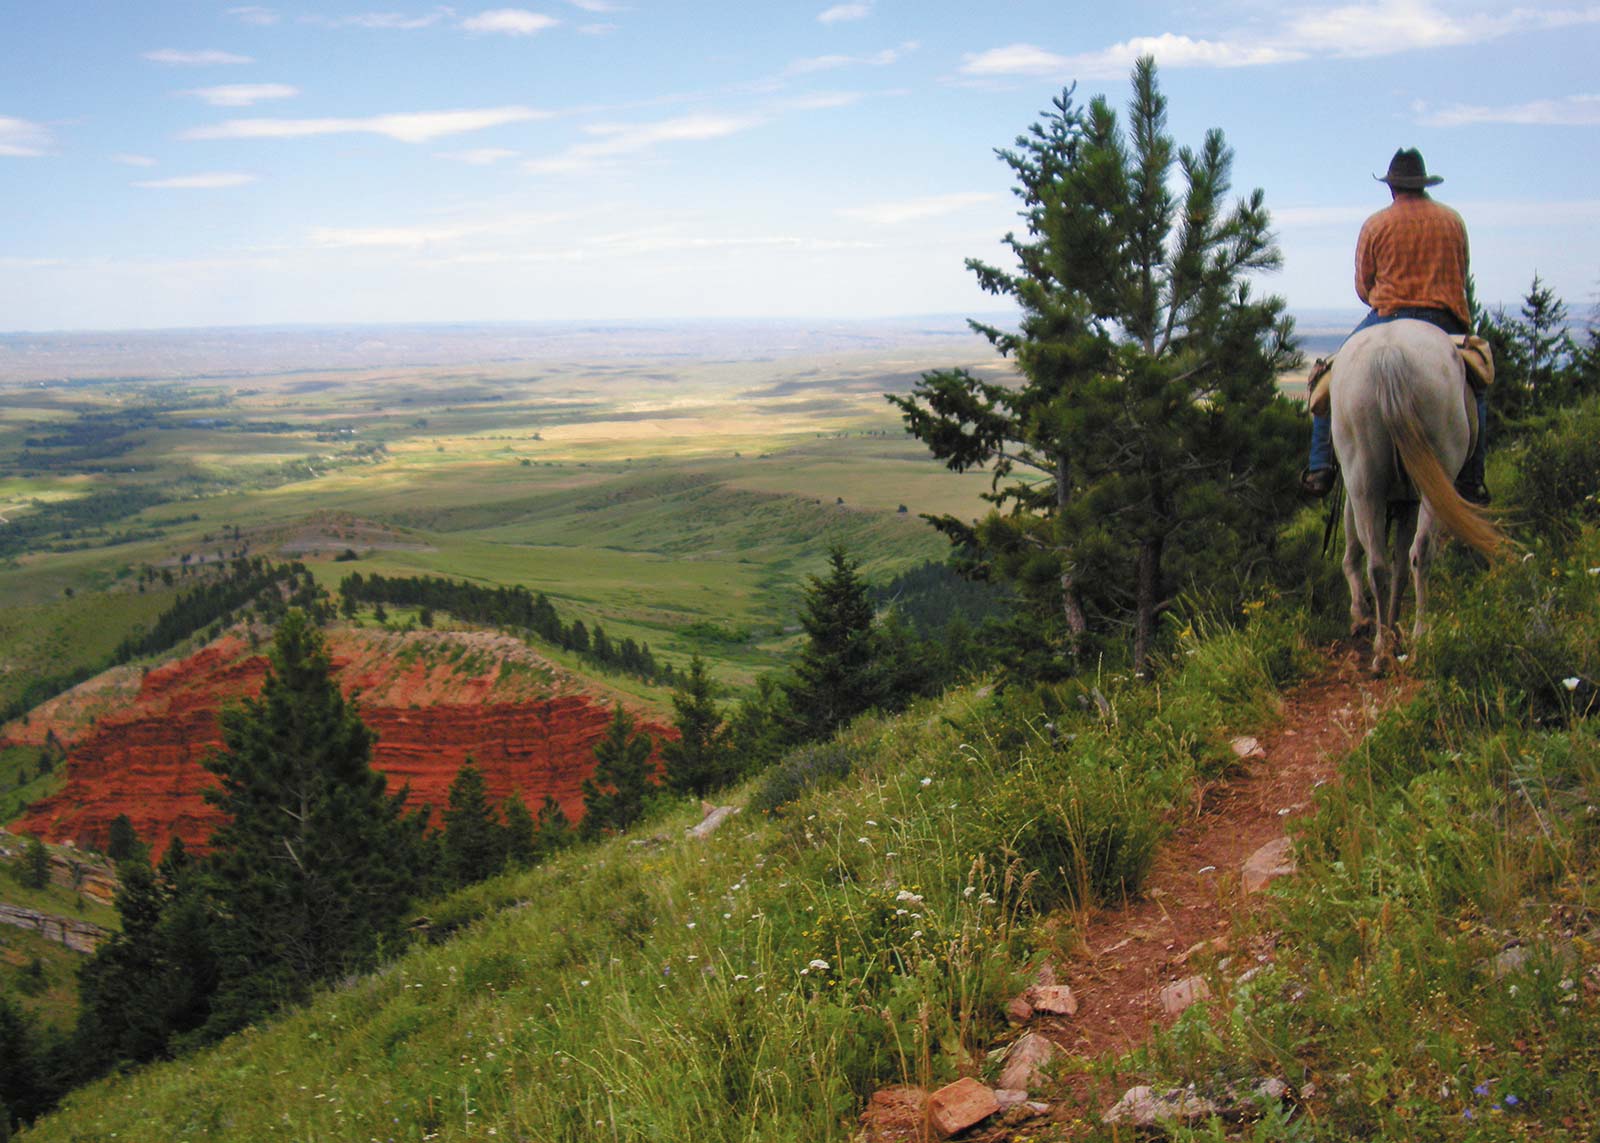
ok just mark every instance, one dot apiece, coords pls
pixel 1475 352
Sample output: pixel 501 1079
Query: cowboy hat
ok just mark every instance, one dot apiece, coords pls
pixel 1407 171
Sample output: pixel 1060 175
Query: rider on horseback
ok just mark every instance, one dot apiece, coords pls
pixel 1411 262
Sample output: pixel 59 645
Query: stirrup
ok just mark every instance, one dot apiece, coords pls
pixel 1317 482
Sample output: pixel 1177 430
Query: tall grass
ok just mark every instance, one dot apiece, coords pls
pixel 1437 967
pixel 757 985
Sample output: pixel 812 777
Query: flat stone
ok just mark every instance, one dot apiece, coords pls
pixel 1144 1106
pixel 1176 997
pixel 1019 1011
pixel 1244 747
pixel 1052 1000
pixel 957 1106
pixel 1022 1070
pixel 1008 1097
pixel 1275 859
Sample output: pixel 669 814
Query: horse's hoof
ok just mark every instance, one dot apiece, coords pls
pixel 1360 629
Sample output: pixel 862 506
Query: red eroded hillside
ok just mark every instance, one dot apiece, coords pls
pixel 432 699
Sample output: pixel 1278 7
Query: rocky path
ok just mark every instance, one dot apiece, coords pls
pixel 1134 968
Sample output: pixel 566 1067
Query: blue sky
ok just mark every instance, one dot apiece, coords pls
pixel 191 164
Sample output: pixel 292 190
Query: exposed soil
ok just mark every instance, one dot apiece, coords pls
pixel 1190 914
pixel 135 744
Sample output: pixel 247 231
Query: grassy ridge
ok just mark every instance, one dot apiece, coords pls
pixel 755 985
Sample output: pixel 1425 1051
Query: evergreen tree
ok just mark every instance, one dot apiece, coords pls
pixel 613 799
pixel 26 1086
pixel 474 842
pixel 1146 444
pixel 123 843
pixel 553 829
pixel 312 866
pixel 521 832
pixel 1544 341
pixel 34 872
pixel 699 760
pixel 836 676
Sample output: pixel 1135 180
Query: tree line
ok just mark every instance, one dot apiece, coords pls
pixel 513 609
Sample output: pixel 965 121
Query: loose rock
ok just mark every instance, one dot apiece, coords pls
pixel 1181 994
pixel 1144 1106
pixel 1275 859
pixel 1052 1000
pixel 957 1106
pixel 1031 1053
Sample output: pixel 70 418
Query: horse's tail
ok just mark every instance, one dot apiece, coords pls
pixel 1397 400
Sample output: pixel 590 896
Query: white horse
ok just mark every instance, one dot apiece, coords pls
pixel 1399 405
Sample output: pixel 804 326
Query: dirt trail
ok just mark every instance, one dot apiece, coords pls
pixel 1194 892
pixel 1120 959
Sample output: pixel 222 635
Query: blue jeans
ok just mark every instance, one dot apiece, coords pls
pixel 1322 426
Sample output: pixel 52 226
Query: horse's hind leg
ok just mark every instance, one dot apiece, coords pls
pixel 1368 519
pixel 1354 575
pixel 1405 530
pixel 1421 556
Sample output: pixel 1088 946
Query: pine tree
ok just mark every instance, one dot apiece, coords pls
pixel 1546 345
pixel 521 832
pixel 34 872
pixel 474 842
pixel 312 866
pixel 699 760
pixel 836 676
pixel 122 842
pixel 1146 444
pixel 613 799
pixel 553 829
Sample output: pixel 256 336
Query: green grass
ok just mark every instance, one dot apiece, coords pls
pixel 757 985
pixel 1465 825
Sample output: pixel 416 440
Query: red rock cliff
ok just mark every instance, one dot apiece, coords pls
pixel 144 760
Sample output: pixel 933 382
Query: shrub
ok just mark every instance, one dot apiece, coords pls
pixel 1556 486
pixel 800 770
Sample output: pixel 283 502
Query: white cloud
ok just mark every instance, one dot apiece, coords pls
pixel 1571 111
pixel 410 127
pixel 840 13
pixel 917 209
pixel 596 5
pixel 204 58
pixel 128 160
pixel 381 21
pixel 1384 27
pixel 480 156
pixel 510 22
pixel 213 180
pixel 628 138
pixel 21 139
pixel 243 94
pixel 877 59
pixel 406 237
pixel 254 14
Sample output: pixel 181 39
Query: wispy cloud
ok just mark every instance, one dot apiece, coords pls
pixel 497 227
pixel 382 21
pixel 255 15
pixel 1571 111
pixel 243 94
pixel 596 5
pixel 206 57
pixel 128 160
pixel 877 59
pixel 509 22
pixel 21 139
pixel 614 139
pixel 841 13
pixel 917 209
pixel 1385 27
pixel 409 127
pixel 211 180
pixel 480 156
pixel 822 101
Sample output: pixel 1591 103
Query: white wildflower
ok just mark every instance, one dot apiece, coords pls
pixel 908 895
pixel 820 965
pixel 1571 683
pixel 929 781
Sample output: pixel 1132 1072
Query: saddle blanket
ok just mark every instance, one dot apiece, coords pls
pixel 1475 352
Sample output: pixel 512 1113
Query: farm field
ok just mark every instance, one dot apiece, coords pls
pixel 679 500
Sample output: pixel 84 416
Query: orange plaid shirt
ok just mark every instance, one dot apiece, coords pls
pixel 1413 253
